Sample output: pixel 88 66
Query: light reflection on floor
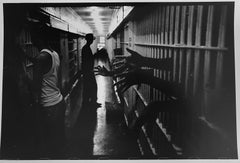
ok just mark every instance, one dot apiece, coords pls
pixel 101 133
pixel 101 94
pixel 110 139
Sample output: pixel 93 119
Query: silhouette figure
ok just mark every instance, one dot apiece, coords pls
pixel 89 81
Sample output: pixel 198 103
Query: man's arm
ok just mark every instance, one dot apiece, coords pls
pixel 141 61
pixel 140 76
pixel 41 63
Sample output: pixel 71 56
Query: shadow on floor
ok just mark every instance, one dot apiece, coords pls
pixel 80 139
pixel 99 133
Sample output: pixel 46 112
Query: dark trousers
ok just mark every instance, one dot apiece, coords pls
pixel 51 134
pixel 89 88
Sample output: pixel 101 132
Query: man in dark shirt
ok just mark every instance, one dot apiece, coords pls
pixel 89 81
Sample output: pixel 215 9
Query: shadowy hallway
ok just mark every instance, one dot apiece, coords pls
pixel 98 133
pixel 173 67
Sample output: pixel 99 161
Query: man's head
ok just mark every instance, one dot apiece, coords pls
pixel 40 34
pixel 89 37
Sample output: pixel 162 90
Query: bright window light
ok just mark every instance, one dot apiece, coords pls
pixel 102 39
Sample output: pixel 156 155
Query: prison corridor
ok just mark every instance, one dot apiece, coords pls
pixel 165 75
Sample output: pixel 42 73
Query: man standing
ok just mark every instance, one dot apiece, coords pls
pixel 89 81
pixel 47 95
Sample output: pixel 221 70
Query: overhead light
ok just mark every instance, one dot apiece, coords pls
pixel 97 19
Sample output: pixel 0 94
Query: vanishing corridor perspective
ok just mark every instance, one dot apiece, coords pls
pixel 118 81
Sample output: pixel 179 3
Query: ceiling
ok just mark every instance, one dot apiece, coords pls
pixel 97 17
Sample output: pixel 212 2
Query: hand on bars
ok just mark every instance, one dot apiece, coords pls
pixel 121 64
pixel 102 71
pixel 137 60
pixel 132 77
pixel 134 60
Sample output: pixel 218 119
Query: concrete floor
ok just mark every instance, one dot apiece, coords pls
pixel 98 133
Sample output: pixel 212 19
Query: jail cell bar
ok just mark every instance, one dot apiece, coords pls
pixel 68 45
pixel 184 34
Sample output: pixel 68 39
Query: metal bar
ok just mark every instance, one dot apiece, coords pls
pixel 158 42
pixel 171 25
pixel 146 35
pixel 170 73
pixel 165 40
pixel 149 49
pixel 166 27
pixel 182 36
pixel 162 42
pixel 206 76
pixel 182 46
pixel 154 48
pixel 168 50
pixel 221 41
pixel 197 51
pixel 158 16
pixel 189 42
pixel 146 27
pixel 177 17
pixel 162 25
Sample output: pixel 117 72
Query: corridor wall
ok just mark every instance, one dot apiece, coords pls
pixel 198 38
pixel 19 110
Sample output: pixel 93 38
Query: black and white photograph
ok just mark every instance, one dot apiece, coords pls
pixel 120 80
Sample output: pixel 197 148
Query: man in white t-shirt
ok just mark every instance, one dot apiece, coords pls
pixel 51 134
